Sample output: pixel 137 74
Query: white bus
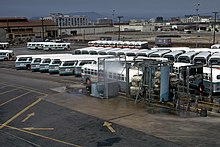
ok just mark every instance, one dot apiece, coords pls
pixel 132 52
pixel 4 45
pixel 6 55
pixel 36 45
pixel 141 45
pixel 211 81
pixel 159 53
pixel 186 49
pixel 90 72
pixel 214 59
pixel 215 46
pixel 172 56
pixel 86 50
pixel 202 58
pixel 187 57
pixel 122 51
pixel 113 51
pixel 145 53
pixel 50 46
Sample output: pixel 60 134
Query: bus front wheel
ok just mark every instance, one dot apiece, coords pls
pixel 28 67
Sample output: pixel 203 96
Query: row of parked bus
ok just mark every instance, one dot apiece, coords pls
pixel 204 56
pixel 119 44
pixel 48 46
pixel 63 64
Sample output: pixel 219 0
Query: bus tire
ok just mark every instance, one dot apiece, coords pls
pixel 36 48
pixel 49 49
pixel 6 59
pixel 28 67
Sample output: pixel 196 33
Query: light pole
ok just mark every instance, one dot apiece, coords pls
pixel 214 27
pixel 119 29
pixel 113 31
pixel 197 11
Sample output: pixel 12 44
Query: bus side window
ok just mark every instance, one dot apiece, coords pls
pixel 110 75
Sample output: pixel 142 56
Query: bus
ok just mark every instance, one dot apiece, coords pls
pixel 132 52
pixel 90 72
pixel 6 55
pixel 186 49
pixel 86 50
pixel 145 53
pixel 159 53
pixel 50 46
pixel 4 45
pixel 96 51
pixel 211 79
pixel 202 58
pixel 172 56
pixel 214 59
pixel 187 57
pixel 113 51
pixel 36 45
pixel 141 45
pixel 104 51
pixel 215 46
pixel 122 51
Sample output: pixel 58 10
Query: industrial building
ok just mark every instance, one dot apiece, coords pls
pixel 22 28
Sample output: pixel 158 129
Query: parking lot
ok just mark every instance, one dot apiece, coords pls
pixel 36 110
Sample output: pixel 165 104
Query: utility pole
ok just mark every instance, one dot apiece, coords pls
pixel 215 13
pixel 119 29
pixel 42 25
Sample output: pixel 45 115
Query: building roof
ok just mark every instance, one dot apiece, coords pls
pixel 28 23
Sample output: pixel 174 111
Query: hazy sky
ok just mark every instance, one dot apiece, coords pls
pixel 165 8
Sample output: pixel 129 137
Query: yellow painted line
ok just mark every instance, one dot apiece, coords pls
pixel 44 137
pixel 8 91
pixel 43 129
pixel 28 116
pixel 19 113
pixel 14 98
pixel 25 88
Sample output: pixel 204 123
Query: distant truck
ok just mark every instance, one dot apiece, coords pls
pixel 163 42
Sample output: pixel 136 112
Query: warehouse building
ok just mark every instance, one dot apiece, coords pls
pixel 22 28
